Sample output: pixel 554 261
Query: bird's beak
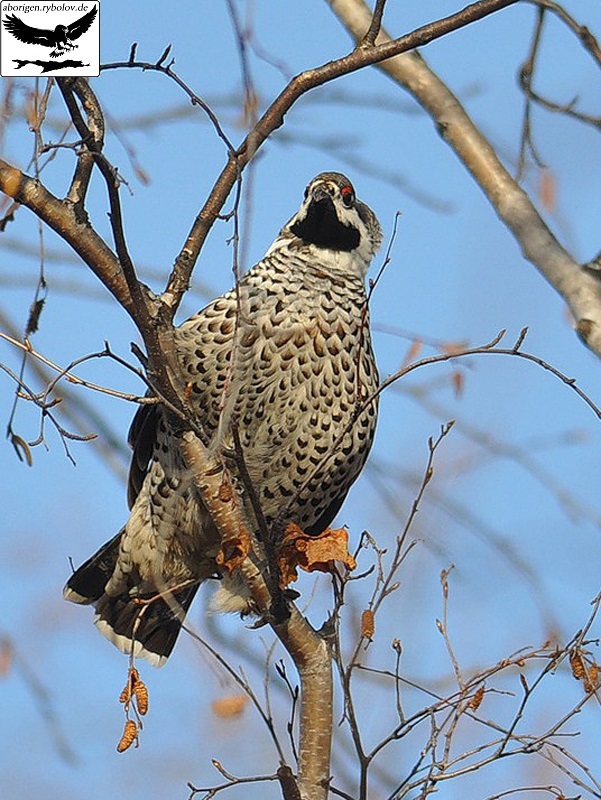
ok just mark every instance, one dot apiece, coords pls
pixel 319 193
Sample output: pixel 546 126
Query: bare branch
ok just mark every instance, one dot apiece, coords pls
pixel 309 651
pixel 44 702
pixel 526 77
pixel 490 348
pixel 231 780
pixel 158 66
pixel 273 118
pixel 66 372
pixel 588 41
pixel 374 27
pixel 61 217
pixel 579 289
pixel 69 88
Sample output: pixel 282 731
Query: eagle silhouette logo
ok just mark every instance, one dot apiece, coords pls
pixel 60 39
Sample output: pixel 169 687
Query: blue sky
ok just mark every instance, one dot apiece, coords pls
pixel 456 274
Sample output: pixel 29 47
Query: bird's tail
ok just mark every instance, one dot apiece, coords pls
pixel 143 626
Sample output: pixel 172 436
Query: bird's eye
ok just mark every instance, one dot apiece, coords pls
pixel 348 195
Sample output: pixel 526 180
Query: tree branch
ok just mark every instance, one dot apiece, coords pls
pixel 273 118
pixel 580 289
pixel 61 217
pixel 307 648
pixel 147 311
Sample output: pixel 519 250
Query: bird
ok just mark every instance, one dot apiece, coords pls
pixel 286 359
pixel 61 38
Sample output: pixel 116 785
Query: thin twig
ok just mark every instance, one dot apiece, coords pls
pixel 526 75
pixel 273 118
pixel 66 372
pixel 159 66
pixel 243 683
pixel 588 41
pixel 374 28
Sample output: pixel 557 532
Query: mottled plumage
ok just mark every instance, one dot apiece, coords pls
pixel 287 358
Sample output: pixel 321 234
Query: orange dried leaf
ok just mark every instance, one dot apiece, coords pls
pixel 474 702
pixel 548 190
pixel 413 352
pixel 590 682
pixel 132 678
pixel 6 656
pixel 577 664
pixel 30 111
pixel 453 347
pixel 233 551
pixel 130 735
pixel 312 553
pixel 368 624
pixel 292 529
pixel 230 706
pixel 141 694
pixel 142 176
pixel 457 381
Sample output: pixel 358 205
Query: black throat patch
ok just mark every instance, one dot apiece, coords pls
pixel 322 227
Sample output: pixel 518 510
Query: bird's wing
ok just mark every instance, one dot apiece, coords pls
pixel 81 25
pixel 141 438
pixel 25 33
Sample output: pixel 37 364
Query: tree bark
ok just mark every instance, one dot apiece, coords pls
pixel 307 648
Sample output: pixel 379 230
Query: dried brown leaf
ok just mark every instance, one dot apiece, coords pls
pixel 6 656
pixel 31 114
pixel 135 688
pixel 474 702
pixel 312 553
pixel 141 694
pixel 368 624
pixel 457 380
pixel 142 176
pixel 577 664
pixel 229 706
pixel 548 190
pixel 451 348
pixel 413 352
pixel 130 735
